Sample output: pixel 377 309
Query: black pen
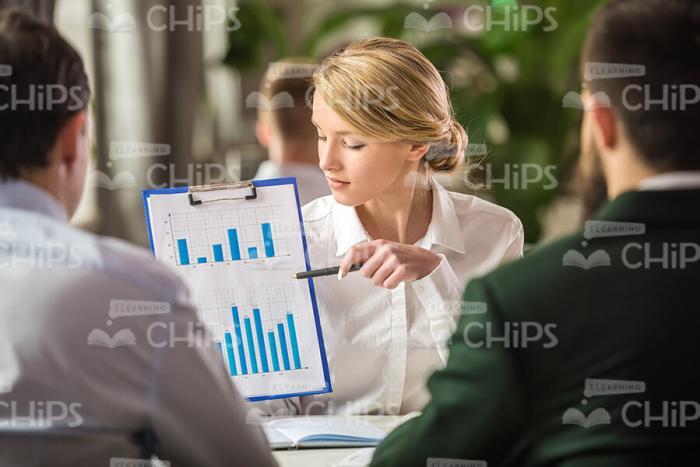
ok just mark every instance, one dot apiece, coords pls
pixel 334 271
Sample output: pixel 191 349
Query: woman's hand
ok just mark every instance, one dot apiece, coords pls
pixel 388 264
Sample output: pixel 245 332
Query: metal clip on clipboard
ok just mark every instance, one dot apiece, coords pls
pixel 198 194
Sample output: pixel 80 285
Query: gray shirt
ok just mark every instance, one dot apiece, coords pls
pixel 98 342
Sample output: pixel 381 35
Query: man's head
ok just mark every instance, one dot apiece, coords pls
pixel 645 122
pixel 284 116
pixel 44 94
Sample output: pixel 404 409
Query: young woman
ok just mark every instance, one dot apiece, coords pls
pixel 385 126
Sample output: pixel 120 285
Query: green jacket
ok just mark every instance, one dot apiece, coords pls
pixel 591 309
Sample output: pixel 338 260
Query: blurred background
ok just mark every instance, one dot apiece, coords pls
pixel 174 85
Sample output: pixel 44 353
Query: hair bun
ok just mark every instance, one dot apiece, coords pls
pixel 447 155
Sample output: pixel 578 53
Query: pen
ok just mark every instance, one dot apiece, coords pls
pixel 324 272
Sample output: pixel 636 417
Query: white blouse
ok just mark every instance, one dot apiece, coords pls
pixel 382 345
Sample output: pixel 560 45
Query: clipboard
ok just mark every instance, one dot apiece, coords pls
pixel 205 195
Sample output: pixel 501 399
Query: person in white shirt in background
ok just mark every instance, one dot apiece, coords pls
pixel 78 382
pixel 284 128
pixel 385 125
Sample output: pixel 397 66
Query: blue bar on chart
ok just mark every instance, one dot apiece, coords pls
pixel 239 340
pixel 261 340
pixel 293 341
pixel 283 345
pixel 233 244
pixel 229 353
pixel 273 350
pixel 201 260
pixel 218 252
pixel 182 250
pixel 267 240
pixel 221 352
pixel 252 252
pixel 251 346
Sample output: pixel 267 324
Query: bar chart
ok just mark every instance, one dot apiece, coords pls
pixel 221 236
pixel 255 330
pixel 249 351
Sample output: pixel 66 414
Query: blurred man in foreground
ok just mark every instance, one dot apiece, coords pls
pixel 584 353
pixel 102 356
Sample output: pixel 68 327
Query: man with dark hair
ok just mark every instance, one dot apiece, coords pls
pixel 102 356
pixel 44 95
pixel 584 353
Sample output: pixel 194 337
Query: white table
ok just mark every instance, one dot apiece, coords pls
pixel 330 457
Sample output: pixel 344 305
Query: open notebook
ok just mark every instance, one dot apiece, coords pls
pixel 321 432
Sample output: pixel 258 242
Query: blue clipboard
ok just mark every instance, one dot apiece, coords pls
pixel 319 332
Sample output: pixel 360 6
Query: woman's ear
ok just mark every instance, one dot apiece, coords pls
pixel 417 151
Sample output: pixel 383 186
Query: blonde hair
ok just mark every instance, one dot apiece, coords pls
pixel 386 89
